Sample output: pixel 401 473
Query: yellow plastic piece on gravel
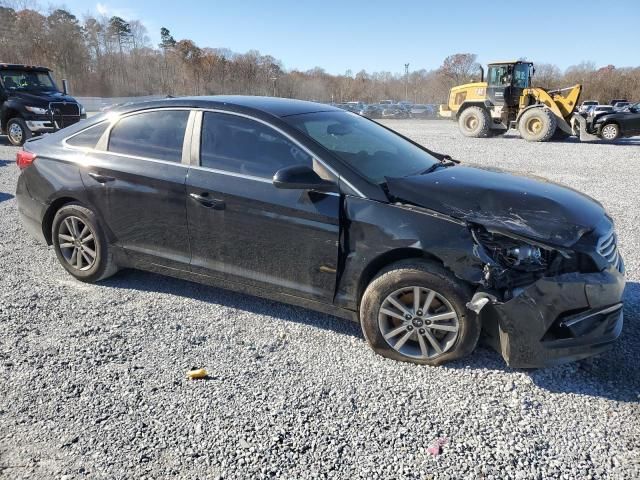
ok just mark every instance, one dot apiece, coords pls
pixel 195 374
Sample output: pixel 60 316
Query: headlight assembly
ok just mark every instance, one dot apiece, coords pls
pixel 511 252
pixel 37 110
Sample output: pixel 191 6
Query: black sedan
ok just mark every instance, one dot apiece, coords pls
pixel 314 206
pixel 612 125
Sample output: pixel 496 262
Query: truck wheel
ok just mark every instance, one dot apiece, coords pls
pixel 537 125
pixel 17 131
pixel 416 312
pixel 610 132
pixel 474 122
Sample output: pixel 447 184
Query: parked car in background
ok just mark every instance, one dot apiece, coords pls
pixel 386 102
pixel 584 106
pixel 422 111
pixel 394 111
pixel 307 204
pixel 31 103
pixel 621 106
pixel 595 110
pixel 372 111
pixel 616 124
pixel 349 107
pixel 616 100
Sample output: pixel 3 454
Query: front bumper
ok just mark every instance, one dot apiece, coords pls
pixel 50 122
pixel 40 126
pixel 557 319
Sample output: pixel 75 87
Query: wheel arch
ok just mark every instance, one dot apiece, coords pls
pixel 382 261
pixel 50 213
pixel 466 105
pixel 7 114
pixel 526 109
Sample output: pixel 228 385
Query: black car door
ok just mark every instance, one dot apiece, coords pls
pixel 136 181
pixel 248 231
pixel 634 119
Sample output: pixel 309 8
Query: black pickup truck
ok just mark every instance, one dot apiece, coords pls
pixel 31 103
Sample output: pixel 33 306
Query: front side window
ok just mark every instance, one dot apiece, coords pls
pixel 27 80
pixel 88 138
pixel 499 75
pixel 241 145
pixel 158 135
pixel 521 75
pixel 370 149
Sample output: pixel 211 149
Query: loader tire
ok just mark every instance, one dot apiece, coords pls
pixel 474 122
pixel 537 125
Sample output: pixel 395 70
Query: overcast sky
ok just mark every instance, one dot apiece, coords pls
pixel 383 35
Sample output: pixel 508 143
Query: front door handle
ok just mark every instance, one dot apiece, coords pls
pixel 207 201
pixel 101 178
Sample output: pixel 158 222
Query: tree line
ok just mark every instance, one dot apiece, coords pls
pixel 102 56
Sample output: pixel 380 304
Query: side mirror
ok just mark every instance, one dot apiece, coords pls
pixel 301 177
pixel 65 86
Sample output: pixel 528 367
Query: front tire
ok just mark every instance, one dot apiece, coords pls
pixel 474 122
pixel 416 312
pixel 81 245
pixel 18 132
pixel 610 132
pixel 537 125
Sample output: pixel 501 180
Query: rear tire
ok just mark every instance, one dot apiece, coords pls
pixel 411 339
pixel 474 122
pixel 537 125
pixel 610 132
pixel 81 245
pixel 18 132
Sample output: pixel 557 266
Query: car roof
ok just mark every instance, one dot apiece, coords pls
pixel 279 107
pixel 17 66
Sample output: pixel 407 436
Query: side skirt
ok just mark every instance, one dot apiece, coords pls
pixel 241 288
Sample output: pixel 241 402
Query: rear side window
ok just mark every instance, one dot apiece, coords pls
pixel 158 135
pixel 241 145
pixel 89 137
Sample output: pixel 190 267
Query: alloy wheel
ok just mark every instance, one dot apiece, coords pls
pixel 15 133
pixel 610 132
pixel 77 243
pixel 418 322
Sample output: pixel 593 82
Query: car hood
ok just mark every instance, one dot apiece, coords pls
pixel 536 209
pixel 42 98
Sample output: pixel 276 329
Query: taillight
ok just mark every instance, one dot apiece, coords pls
pixel 24 159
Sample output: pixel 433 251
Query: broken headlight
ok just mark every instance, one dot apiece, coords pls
pixel 509 252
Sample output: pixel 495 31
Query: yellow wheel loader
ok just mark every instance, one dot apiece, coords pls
pixel 507 100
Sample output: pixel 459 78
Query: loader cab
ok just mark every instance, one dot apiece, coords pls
pixel 507 80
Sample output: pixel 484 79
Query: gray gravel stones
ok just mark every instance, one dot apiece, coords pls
pixel 93 385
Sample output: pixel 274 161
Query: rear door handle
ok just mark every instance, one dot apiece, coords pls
pixel 101 178
pixel 208 202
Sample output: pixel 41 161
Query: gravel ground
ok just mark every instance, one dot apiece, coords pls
pixel 92 378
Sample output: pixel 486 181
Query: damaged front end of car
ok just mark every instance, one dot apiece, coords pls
pixel 549 278
pixel 542 305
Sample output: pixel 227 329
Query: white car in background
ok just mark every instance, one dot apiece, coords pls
pixel 586 104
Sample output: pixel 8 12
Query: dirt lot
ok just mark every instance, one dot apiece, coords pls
pixel 92 377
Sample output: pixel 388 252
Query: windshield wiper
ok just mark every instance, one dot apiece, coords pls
pixel 446 161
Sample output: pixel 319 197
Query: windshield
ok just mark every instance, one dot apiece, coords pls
pixel 368 148
pixel 27 80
